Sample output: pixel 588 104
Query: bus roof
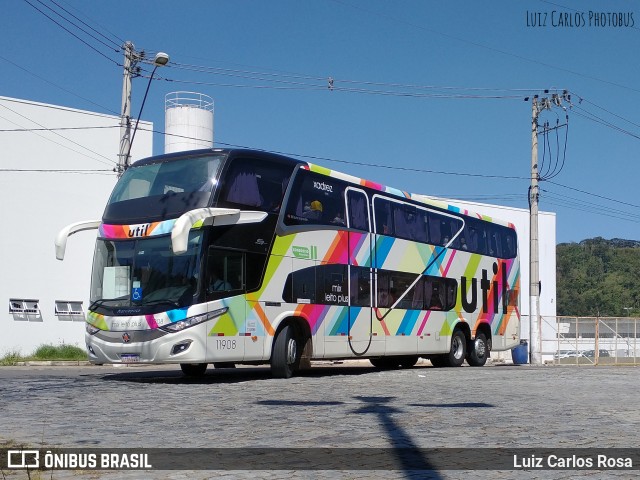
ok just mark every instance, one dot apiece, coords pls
pixel 231 153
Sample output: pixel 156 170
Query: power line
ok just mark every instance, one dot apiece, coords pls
pixel 55 107
pixel 119 42
pixel 593 194
pixel 267 76
pixel 590 205
pixel 303 86
pixel 480 45
pixel 61 136
pixel 44 129
pixel 76 25
pixel 348 162
pixel 73 34
pixel 117 45
pixel 582 99
pixel 57 86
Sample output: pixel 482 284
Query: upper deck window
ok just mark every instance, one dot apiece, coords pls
pixel 255 183
pixel 316 200
pixel 163 190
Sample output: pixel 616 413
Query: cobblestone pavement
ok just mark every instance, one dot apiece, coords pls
pixel 331 405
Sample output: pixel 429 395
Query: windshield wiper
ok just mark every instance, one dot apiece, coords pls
pixel 173 303
pixel 102 302
pixel 98 303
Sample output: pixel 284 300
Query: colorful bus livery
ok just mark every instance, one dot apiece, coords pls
pixel 239 256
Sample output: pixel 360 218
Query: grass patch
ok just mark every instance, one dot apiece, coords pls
pixel 45 353
pixel 59 352
pixel 11 358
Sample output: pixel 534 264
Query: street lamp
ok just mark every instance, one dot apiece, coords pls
pixel 160 60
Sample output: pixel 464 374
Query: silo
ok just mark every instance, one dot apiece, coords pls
pixel 188 121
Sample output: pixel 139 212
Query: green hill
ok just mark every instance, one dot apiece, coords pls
pixel 598 277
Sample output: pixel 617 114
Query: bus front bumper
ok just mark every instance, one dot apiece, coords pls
pixel 148 346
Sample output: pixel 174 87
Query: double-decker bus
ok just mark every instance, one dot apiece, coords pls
pixel 225 256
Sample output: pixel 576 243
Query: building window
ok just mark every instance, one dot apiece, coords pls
pixel 24 309
pixel 69 310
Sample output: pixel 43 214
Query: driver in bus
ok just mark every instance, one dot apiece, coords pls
pixel 216 282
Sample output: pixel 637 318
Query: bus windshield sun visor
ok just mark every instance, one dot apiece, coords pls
pixel 210 216
pixel 66 232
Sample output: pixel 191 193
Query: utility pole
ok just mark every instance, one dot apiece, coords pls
pixel 535 321
pixel 131 58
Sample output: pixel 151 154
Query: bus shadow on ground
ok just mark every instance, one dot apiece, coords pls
pixel 228 375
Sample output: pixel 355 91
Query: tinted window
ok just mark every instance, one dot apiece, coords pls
pixel 429 293
pixel 163 190
pixel 255 183
pixel 358 211
pixel 316 200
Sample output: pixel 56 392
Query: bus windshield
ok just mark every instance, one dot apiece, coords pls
pixel 163 190
pixel 144 272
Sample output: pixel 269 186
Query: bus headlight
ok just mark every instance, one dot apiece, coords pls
pixel 195 320
pixel 91 330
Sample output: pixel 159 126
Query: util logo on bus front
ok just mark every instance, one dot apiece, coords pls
pixel 139 230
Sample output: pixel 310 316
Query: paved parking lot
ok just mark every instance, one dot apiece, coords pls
pixel 345 405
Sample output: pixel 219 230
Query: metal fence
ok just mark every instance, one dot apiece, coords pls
pixel 591 340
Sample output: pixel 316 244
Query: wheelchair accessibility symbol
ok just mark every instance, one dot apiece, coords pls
pixel 136 293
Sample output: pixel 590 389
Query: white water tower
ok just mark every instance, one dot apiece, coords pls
pixel 188 118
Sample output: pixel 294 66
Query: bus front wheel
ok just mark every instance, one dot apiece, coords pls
pixel 285 357
pixel 193 369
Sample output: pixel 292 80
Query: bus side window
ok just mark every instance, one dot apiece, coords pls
pixel 509 245
pixel 434 229
pixel 495 249
pixel 225 272
pixel 384 220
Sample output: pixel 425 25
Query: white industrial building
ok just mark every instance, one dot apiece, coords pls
pixel 44 186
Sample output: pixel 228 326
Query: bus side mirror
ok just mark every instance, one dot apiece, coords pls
pixel 66 232
pixel 209 216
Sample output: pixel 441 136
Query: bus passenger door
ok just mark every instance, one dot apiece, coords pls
pixel 360 322
pixel 224 282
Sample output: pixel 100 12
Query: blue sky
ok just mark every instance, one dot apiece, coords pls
pixel 420 87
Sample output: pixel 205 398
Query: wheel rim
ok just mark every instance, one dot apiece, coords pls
pixel 292 351
pixel 457 347
pixel 480 347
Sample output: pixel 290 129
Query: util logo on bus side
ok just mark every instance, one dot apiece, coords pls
pixel 139 230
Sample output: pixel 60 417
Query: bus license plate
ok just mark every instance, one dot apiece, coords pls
pixel 130 358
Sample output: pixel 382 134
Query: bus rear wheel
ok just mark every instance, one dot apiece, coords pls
pixel 478 351
pixel 193 369
pixel 457 352
pixel 285 356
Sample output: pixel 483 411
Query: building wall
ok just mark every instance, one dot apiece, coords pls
pixel 37 204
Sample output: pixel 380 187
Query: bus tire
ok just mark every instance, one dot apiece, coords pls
pixel 458 350
pixel 285 356
pixel 478 351
pixel 456 355
pixel 224 365
pixel 193 369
